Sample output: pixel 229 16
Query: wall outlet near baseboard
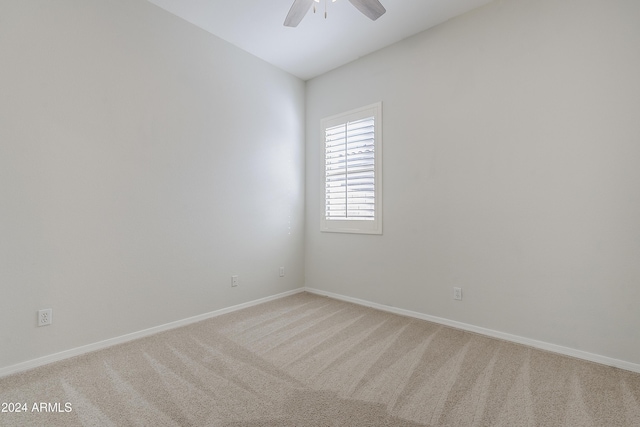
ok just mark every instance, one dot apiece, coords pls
pixel 234 281
pixel 281 271
pixel 45 317
pixel 457 293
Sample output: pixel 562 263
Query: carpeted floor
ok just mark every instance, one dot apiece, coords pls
pixel 307 360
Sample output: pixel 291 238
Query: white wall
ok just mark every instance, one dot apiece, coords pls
pixel 511 169
pixel 142 163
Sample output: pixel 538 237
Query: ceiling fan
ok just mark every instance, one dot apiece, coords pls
pixel 373 9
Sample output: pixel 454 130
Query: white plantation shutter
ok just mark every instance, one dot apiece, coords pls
pixel 352 194
pixel 350 171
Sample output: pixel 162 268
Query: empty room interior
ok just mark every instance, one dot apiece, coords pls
pixel 166 212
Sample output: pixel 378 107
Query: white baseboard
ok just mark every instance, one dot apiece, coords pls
pixel 45 360
pixel 579 354
pixel 604 360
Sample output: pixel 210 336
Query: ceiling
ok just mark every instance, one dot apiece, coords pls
pixel 317 45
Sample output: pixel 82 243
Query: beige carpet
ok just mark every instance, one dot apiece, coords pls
pixel 307 360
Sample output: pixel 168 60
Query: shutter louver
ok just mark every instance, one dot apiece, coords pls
pixel 350 170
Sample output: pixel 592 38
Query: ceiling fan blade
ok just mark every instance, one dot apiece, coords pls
pixel 297 12
pixel 373 9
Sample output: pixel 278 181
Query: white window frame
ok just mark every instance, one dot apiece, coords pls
pixel 373 226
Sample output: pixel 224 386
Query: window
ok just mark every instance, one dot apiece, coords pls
pixel 352 164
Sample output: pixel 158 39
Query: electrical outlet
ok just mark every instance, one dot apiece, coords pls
pixel 281 271
pixel 234 281
pixel 45 317
pixel 457 293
